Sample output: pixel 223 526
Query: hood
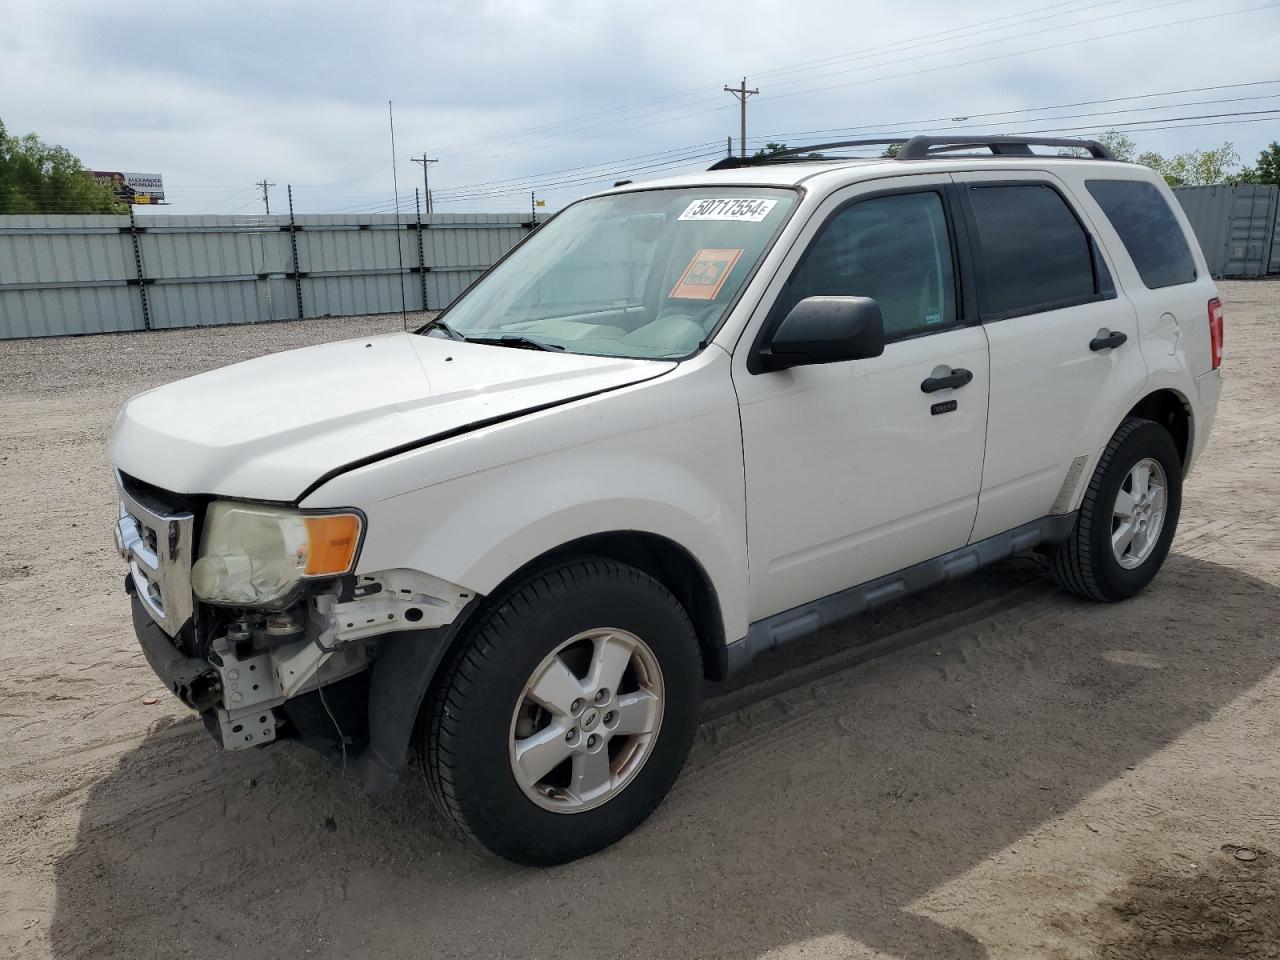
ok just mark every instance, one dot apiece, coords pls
pixel 267 428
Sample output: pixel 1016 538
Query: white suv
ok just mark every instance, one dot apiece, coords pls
pixel 682 423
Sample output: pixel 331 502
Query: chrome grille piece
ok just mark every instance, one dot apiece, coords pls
pixel 155 540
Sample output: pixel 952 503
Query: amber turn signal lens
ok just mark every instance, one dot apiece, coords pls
pixel 333 540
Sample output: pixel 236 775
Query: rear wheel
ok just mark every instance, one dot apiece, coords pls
pixel 566 714
pixel 1128 517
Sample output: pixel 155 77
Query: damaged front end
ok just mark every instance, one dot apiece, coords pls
pixel 255 672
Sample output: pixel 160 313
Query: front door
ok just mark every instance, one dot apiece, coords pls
pixel 861 468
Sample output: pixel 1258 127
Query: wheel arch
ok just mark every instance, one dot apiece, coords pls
pixel 670 564
pixel 1173 411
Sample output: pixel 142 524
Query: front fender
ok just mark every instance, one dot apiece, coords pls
pixel 662 457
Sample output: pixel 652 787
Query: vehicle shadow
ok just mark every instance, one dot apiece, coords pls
pixel 826 807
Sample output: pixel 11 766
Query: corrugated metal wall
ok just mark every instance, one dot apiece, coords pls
pixel 99 274
pixel 1274 266
pixel 1236 227
pixel 64 275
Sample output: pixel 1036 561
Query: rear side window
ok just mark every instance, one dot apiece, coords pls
pixel 1148 229
pixel 1037 255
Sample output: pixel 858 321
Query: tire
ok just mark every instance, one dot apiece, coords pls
pixel 1087 562
pixel 484 712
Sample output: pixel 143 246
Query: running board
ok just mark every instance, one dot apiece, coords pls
pixel 808 618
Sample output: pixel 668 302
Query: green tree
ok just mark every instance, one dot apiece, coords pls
pixel 1121 146
pixel 1266 170
pixel 36 177
pixel 891 151
pixel 770 148
pixel 1195 168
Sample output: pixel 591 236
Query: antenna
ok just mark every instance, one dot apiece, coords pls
pixel 395 186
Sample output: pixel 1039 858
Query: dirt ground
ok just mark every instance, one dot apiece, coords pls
pixel 993 770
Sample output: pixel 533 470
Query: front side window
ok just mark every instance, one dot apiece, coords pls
pixel 1148 229
pixel 1036 255
pixel 647 275
pixel 893 249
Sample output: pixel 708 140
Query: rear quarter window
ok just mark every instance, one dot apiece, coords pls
pixel 1148 229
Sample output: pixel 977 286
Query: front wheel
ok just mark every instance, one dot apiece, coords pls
pixel 1128 517
pixel 566 714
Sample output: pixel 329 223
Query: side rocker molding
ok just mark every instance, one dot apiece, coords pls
pixel 809 618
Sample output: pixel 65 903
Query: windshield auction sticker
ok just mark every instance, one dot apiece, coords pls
pixel 705 275
pixel 725 208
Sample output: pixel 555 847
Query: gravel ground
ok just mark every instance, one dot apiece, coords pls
pixel 993 770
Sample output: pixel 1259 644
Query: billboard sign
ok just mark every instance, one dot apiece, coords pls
pixel 133 187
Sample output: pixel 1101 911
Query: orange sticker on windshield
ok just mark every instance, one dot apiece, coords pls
pixel 705 275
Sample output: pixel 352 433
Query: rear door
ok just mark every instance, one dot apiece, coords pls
pixel 1064 347
pixel 1170 292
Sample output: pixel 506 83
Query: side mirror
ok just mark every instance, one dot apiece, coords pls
pixel 824 330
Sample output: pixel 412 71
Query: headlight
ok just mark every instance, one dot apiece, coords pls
pixel 256 555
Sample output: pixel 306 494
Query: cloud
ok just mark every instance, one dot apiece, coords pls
pixel 215 97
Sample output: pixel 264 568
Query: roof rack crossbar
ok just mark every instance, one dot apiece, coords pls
pixel 796 154
pixel 921 148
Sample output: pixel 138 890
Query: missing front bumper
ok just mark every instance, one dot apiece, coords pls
pixel 194 682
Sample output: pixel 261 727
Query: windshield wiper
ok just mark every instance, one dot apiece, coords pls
pixel 438 324
pixel 519 341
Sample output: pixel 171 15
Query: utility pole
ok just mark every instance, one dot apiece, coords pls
pixel 426 187
pixel 266 200
pixel 741 93
pixel 728 146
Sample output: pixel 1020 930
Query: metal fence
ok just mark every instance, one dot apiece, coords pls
pixel 1238 227
pixel 62 275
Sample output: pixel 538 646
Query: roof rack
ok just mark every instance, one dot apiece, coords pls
pixel 924 148
pixel 794 154
pixel 921 148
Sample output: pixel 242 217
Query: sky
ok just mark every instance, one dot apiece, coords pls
pixel 563 98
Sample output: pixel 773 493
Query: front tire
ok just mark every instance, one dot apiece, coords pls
pixel 1128 517
pixel 566 714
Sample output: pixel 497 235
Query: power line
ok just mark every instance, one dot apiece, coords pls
pixel 614 168
pixel 1020 53
pixel 666 120
pixel 946 35
pixel 708 102
pixel 1054 106
pixel 497 190
pixel 523 133
pixel 1166 4
pixel 911 125
pixel 473 191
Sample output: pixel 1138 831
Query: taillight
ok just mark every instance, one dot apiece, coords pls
pixel 1215 330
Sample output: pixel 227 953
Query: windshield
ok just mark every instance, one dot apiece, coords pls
pixel 645 275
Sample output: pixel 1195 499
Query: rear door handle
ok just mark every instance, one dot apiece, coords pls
pixel 956 378
pixel 1107 338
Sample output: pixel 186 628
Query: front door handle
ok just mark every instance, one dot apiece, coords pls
pixel 956 378
pixel 1107 338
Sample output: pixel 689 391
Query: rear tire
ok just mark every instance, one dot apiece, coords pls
pixel 595 664
pixel 1128 517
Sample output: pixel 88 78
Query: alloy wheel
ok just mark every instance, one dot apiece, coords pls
pixel 586 720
